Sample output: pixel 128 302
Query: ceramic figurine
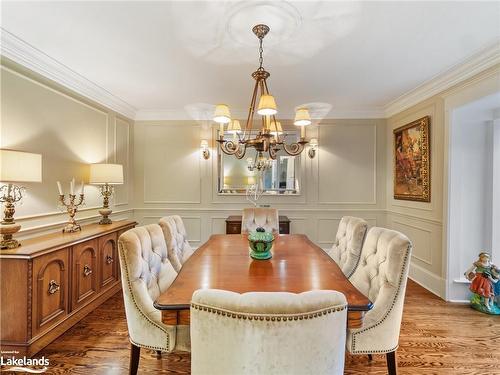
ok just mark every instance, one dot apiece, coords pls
pixel 484 286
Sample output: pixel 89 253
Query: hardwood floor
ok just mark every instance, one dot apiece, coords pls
pixel 436 338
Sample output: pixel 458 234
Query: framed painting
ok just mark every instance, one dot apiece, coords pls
pixel 412 161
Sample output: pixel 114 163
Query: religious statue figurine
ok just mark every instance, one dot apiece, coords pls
pixel 484 286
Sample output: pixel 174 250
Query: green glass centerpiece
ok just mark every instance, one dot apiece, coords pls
pixel 260 244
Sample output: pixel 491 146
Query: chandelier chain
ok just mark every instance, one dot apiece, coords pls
pixel 261 50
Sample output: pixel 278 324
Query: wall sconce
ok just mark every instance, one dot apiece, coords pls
pixel 313 146
pixel 205 151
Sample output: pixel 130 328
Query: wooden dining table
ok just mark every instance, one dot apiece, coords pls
pixel 223 262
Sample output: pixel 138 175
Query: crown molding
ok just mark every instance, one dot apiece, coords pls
pixel 32 58
pixel 475 64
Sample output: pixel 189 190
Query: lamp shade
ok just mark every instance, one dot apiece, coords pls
pixel 106 174
pixel 204 144
pixel 222 114
pixel 276 128
pixel 18 166
pixel 267 105
pixel 234 127
pixel 302 117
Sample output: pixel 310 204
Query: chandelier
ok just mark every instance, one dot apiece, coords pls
pixel 270 138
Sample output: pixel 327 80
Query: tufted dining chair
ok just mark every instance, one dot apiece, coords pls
pixel 146 273
pixel 347 247
pixel 381 275
pixel 175 235
pixel 267 332
pixel 266 218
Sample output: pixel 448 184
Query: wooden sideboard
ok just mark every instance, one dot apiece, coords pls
pixel 51 282
pixel 233 225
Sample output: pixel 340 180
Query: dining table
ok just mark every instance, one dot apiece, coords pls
pixel 223 262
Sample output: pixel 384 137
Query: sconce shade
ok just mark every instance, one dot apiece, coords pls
pixel 222 114
pixel 313 142
pixel 111 174
pixel 267 105
pixel 19 166
pixel 234 127
pixel 302 117
pixel 276 128
pixel 204 144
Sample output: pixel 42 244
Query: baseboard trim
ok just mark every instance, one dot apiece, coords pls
pixel 430 281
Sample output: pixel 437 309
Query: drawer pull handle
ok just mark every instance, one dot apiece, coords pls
pixel 87 270
pixel 53 287
pixel 109 259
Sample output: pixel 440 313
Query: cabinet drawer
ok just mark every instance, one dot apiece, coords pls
pixel 50 290
pixel 108 259
pixel 84 273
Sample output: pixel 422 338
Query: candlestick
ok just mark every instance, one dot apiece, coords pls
pixel 302 132
pixel 71 207
pixel 221 130
pixel 72 187
pixel 59 188
pixel 81 188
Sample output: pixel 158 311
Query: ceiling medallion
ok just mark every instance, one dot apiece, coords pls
pixel 270 138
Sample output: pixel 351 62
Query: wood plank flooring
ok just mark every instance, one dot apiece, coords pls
pixel 436 338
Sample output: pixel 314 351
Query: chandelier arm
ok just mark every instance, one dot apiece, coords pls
pixel 248 126
pixel 293 149
pixel 240 153
pixel 229 147
pixel 273 152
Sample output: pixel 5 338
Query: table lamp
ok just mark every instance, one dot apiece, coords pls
pixel 15 166
pixel 106 175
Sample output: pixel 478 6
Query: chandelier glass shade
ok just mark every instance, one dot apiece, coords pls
pixel 270 138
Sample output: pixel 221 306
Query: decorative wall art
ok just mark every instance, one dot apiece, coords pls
pixel 412 161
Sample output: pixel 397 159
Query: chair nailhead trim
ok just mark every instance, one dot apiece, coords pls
pixel 268 317
pixel 353 346
pixel 121 252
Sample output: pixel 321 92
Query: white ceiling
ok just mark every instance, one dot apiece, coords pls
pixel 172 57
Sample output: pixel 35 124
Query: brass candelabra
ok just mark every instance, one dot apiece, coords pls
pixel 71 208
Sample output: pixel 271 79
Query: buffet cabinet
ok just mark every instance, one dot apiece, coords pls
pixel 51 282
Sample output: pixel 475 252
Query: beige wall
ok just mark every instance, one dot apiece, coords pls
pixel 70 132
pixel 426 223
pixel 421 222
pixel 347 177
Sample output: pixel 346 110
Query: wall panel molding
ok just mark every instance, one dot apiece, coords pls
pixel 374 165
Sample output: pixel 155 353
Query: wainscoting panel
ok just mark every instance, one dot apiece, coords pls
pixel 122 156
pixel 171 166
pixel 347 164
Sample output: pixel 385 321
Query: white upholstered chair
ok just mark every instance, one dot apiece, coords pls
pixel 381 275
pixel 175 234
pixel 146 273
pixel 348 242
pixel 266 218
pixel 267 333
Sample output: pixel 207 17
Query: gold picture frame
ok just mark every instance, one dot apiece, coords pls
pixel 411 159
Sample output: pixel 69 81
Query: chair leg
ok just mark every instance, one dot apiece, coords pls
pixel 158 354
pixel 392 366
pixel 370 357
pixel 135 355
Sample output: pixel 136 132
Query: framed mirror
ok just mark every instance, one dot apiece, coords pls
pixel 280 177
